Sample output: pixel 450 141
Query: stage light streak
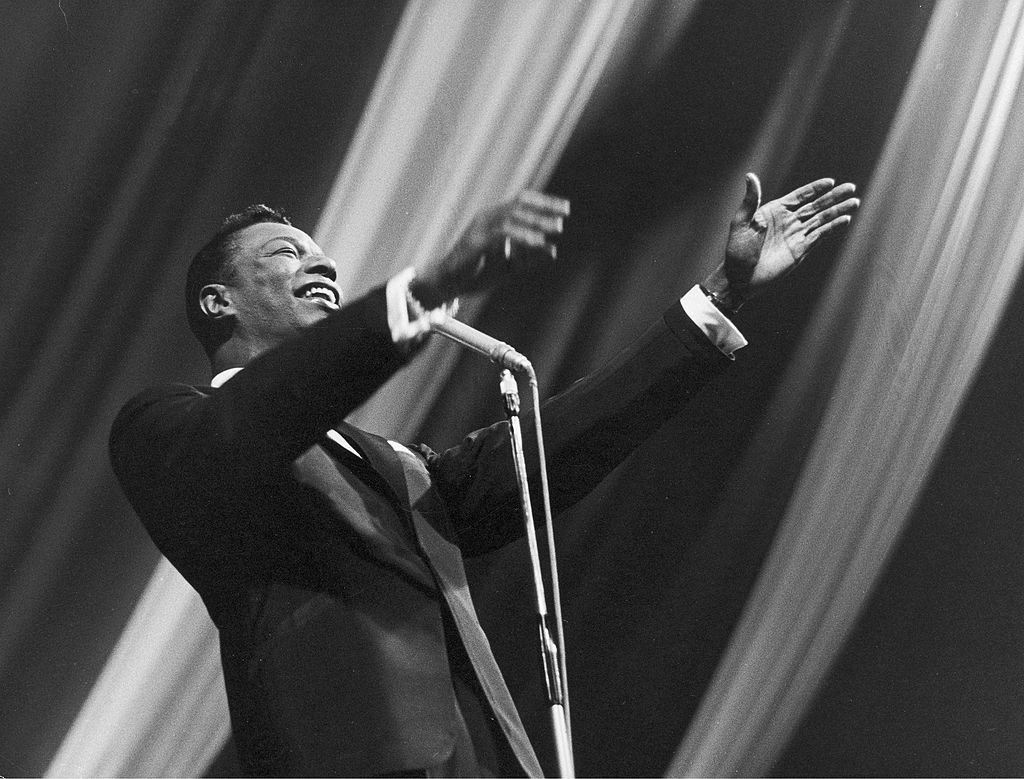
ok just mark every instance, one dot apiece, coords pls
pixel 940 240
pixel 473 102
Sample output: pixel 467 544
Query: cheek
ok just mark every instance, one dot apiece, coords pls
pixel 274 290
pixel 273 303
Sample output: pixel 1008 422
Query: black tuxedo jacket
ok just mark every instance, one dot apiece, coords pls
pixel 337 584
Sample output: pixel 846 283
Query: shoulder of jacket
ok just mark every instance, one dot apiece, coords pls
pixel 169 398
pixel 163 393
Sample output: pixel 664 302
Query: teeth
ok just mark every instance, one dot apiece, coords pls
pixel 319 292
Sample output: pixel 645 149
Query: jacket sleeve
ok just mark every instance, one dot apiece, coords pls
pixel 268 414
pixel 589 429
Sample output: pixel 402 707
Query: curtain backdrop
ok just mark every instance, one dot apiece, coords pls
pixel 658 563
pixel 473 103
pixel 129 130
pixel 889 358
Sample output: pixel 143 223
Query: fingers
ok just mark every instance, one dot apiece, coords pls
pixel 807 192
pixel 544 202
pixel 534 220
pixel 821 208
pixel 828 228
pixel 830 198
pixel 516 234
pixel 544 221
pixel 828 213
pixel 827 222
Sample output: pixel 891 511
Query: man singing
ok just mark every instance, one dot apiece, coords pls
pixel 331 559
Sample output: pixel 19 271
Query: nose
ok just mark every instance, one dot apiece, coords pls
pixel 319 265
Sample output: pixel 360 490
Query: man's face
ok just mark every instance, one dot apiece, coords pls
pixel 282 283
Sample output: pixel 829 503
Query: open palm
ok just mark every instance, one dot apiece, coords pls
pixel 767 241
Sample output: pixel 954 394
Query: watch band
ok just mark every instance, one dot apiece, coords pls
pixel 719 302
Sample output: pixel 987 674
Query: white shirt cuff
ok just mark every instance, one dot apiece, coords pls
pixel 407 320
pixel 713 323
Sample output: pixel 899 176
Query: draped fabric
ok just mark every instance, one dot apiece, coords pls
pixel 459 81
pixel 158 707
pixel 130 129
pixel 658 564
pixel 475 103
pixel 889 358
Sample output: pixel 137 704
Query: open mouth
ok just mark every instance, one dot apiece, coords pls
pixel 322 292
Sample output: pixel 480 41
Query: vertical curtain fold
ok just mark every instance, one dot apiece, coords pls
pixel 893 349
pixel 164 654
pixel 123 142
pixel 474 102
pixel 524 75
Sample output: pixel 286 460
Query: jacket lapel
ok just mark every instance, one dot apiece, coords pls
pixel 380 535
pixel 381 458
pixel 411 492
pixel 430 524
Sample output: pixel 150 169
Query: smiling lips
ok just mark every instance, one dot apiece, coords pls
pixel 320 292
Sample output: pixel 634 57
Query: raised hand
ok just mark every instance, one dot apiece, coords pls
pixel 504 239
pixel 767 241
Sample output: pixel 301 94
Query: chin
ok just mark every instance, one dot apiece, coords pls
pixel 318 316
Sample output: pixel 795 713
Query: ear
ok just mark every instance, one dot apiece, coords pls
pixel 215 300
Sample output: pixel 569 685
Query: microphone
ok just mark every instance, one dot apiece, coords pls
pixel 497 351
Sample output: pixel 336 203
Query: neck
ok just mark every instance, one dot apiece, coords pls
pixel 233 354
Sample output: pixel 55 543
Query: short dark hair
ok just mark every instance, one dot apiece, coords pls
pixel 214 263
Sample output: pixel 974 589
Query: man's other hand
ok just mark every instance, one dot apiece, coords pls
pixel 767 241
pixel 498 241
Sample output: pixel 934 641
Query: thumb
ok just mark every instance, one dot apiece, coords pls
pixel 751 201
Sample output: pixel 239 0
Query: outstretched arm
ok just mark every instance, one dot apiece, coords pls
pixel 601 419
pixel 286 398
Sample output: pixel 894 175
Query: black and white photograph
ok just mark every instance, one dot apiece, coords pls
pixel 512 388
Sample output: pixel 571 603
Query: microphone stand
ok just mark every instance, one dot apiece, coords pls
pixel 554 661
pixel 552 653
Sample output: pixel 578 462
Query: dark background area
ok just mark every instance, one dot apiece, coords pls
pixel 130 129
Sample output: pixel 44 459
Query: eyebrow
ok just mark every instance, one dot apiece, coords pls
pixel 287 238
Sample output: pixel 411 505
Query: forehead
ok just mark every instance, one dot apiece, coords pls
pixel 253 239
